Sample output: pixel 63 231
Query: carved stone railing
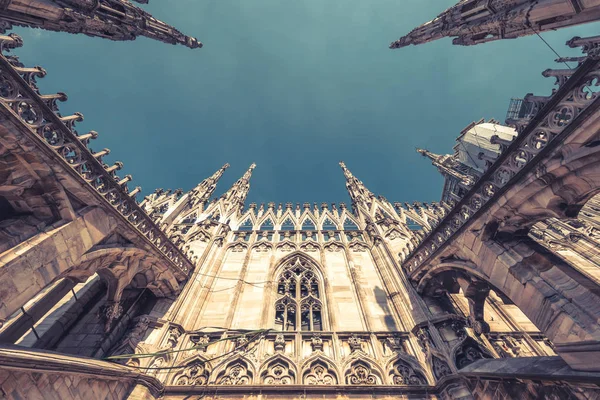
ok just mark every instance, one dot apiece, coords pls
pixel 39 114
pixel 548 118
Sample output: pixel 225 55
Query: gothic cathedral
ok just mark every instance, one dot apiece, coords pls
pixel 491 293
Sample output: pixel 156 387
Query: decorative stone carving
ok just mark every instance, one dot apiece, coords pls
pixel 310 248
pixel 278 373
pixel 404 374
pixel 173 337
pixel 424 339
pixel 360 374
pixel 334 247
pixel 394 343
pixel 262 248
pixel 236 373
pixel 194 374
pixel 238 248
pixel 358 247
pixel 319 373
pixel 468 353
pixel 440 368
pixel 155 366
pixel 201 342
pixel 279 342
pixel 286 247
pixel 316 342
pixel 130 341
pixel 241 342
pixel 111 311
pixel 355 343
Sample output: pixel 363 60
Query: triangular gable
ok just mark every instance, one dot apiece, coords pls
pixel 288 225
pixel 309 225
pixel 350 225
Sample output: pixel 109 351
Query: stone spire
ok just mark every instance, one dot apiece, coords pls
pixel 478 21
pixel 446 164
pixel 356 189
pixel 205 189
pixel 109 19
pixel 236 195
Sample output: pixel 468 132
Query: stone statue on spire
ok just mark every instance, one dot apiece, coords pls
pixel 109 19
pixel 478 21
pixel 447 165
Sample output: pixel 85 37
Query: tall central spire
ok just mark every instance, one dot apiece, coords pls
pixel 356 189
pixel 206 188
pixel 236 195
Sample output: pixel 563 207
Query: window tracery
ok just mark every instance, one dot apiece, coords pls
pixel 319 373
pixel 267 225
pixel 298 288
pixel 360 374
pixel 404 374
pixel 236 373
pixel 328 225
pixel 349 225
pixel 278 372
pixel 288 225
pixel 246 225
pixel 195 373
pixel 308 225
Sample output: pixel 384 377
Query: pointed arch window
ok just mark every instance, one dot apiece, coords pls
pixel 328 225
pixel 246 226
pixel 349 225
pixel 288 225
pixel 412 225
pixel 190 219
pixel 299 304
pixel 267 225
pixel 308 225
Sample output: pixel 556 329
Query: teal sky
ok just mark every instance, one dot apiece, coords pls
pixel 293 86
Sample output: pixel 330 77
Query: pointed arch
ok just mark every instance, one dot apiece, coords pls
pixel 278 370
pixel 287 245
pixel 236 371
pixel 196 372
pixel 350 224
pixel 319 370
pixel 412 225
pixel 288 223
pixel 247 225
pixel 361 370
pixel 329 224
pixel 404 371
pixel 189 218
pixel 469 351
pixel 267 224
pixel 308 224
pixel 299 294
